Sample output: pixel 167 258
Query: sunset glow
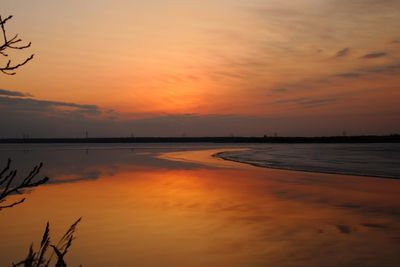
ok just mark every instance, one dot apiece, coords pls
pixel 300 67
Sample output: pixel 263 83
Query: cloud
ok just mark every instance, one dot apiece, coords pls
pixel 24 102
pixel 372 55
pixel 278 12
pixel 284 88
pixel 388 69
pixel 348 75
pixel 21 114
pixel 36 105
pixel 306 102
pixel 344 229
pixel 384 69
pixel 342 53
pixel 37 124
pixel 4 92
pixel 364 6
pixel 280 90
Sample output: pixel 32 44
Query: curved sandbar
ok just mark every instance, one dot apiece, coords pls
pixel 379 160
pixel 205 157
pixel 372 160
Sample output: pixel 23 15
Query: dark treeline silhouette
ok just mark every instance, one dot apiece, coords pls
pixel 395 138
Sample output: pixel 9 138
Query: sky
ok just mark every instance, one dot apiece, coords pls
pixel 203 68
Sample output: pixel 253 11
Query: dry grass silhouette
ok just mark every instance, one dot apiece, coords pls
pixel 44 256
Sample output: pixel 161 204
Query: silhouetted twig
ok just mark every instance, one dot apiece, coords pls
pixel 8 188
pixel 13 43
pixel 41 258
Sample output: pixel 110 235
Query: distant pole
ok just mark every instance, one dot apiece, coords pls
pixel 86 134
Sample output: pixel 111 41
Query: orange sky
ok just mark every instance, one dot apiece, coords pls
pixel 248 58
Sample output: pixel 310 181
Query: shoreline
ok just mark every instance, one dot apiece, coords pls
pixel 219 155
pixel 368 139
pixel 207 157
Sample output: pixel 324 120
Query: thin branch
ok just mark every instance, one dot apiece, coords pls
pixel 13 204
pixel 6 168
pixel 8 188
pixel 11 43
pixel 8 69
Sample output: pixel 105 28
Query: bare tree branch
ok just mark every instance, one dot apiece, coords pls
pixel 8 188
pixel 11 43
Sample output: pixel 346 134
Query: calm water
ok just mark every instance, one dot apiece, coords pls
pixel 176 205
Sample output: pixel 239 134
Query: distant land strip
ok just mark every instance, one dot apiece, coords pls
pixel 394 138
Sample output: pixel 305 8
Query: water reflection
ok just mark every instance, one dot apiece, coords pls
pixel 139 210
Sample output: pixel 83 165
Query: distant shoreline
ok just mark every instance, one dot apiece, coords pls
pixel 284 140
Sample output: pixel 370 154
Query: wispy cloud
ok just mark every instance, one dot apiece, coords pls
pixel 287 88
pixel 19 102
pixel 31 105
pixel 4 92
pixel 364 6
pixel 343 53
pixel 307 102
pixel 348 75
pixel 384 69
pixel 280 90
pixel 387 69
pixel 376 54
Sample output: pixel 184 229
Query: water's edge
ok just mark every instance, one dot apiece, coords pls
pixel 222 155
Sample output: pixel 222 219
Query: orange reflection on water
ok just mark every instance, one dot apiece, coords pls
pixel 215 217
